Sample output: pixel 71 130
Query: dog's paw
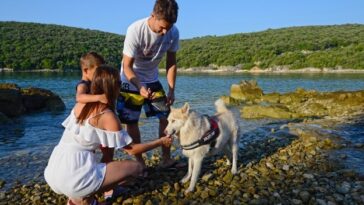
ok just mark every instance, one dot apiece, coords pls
pixel 234 171
pixel 189 190
pixel 184 180
pixel 228 163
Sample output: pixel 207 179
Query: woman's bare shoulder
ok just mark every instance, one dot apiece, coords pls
pixel 110 121
pixel 78 108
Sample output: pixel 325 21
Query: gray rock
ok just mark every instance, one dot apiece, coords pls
pixel 338 197
pixel 296 201
pixel 305 196
pixel 285 167
pixel 344 188
pixel 308 176
pixel 331 203
pixel 321 202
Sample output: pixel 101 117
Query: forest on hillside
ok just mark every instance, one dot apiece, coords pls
pixel 27 46
pixel 295 47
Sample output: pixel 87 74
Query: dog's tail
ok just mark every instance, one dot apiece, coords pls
pixel 220 105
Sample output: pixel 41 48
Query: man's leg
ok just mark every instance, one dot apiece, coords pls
pixel 133 131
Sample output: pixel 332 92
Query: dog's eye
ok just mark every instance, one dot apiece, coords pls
pixel 172 121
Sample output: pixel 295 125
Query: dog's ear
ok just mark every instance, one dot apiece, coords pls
pixel 185 108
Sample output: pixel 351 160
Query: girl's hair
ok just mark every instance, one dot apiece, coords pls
pixel 166 10
pixel 106 80
pixel 91 60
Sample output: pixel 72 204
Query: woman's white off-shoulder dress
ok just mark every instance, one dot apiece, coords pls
pixel 73 169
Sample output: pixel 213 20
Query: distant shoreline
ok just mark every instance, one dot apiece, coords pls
pixel 232 70
pixel 222 70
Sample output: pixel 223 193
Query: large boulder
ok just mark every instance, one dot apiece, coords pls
pixel 38 98
pixel 298 104
pixel 11 103
pixel 272 111
pixel 4 119
pixel 15 101
pixel 246 91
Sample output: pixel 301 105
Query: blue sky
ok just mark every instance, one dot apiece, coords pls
pixel 196 17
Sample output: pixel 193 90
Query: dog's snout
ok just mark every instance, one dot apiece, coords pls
pixel 172 132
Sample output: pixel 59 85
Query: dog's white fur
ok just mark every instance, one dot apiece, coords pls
pixel 190 126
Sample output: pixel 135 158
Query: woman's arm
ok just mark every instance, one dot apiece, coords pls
pixel 133 149
pixel 111 122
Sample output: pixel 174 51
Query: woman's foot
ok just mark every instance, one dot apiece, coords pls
pixel 116 192
pixel 108 194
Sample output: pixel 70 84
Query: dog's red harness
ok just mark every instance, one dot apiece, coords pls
pixel 208 138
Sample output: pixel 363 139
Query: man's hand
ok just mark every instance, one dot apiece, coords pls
pixel 146 93
pixel 170 98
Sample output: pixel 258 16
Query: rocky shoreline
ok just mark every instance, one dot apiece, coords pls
pixel 293 164
pixel 257 70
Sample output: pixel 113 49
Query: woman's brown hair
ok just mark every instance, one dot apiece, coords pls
pixel 106 80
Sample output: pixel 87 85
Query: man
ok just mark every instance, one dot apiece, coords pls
pixel 146 42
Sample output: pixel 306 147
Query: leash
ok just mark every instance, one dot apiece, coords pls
pixel 208 138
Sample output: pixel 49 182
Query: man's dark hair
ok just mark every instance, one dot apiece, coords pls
pixel 166 10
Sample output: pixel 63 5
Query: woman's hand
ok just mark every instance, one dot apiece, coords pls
pixel 167 140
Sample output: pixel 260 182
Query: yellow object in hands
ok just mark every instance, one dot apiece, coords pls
pixel 136 99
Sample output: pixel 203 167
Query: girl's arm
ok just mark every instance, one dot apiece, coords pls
pixel 82 97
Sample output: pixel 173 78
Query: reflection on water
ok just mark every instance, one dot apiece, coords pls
pixel 26 144
pixel 11 132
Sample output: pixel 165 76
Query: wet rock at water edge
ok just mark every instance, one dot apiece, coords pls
pixel 15 101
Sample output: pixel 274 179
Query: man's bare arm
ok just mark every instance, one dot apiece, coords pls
pixel 130 75
pixel 171 69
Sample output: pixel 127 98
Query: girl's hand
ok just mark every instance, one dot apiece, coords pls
pixel 167 140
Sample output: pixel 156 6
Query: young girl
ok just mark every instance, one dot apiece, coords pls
pixel 72 168
pixel 89 62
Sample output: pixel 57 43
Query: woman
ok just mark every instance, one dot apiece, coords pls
pixel 73 169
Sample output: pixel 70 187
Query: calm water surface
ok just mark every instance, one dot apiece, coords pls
pixel 26 144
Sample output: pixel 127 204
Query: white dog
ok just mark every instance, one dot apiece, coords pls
pixel 200 135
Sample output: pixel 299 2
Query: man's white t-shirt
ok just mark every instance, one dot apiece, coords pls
pixel 147 48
